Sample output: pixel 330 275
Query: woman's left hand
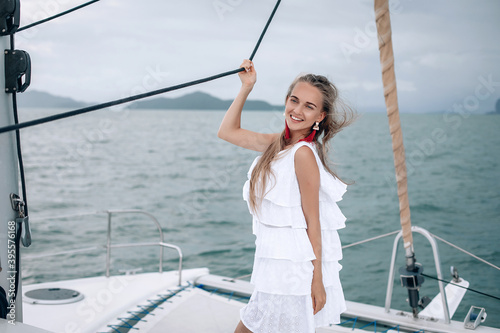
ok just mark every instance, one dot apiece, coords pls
pixel 318 295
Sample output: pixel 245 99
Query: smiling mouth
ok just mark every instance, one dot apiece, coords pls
pixel 295 118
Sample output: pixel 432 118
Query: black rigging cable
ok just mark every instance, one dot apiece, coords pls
pixel 456 285
pixel 18 143
pixel 112 103
pixel 24 207
pixel 56 16
pixel 265 30
pixel 139 96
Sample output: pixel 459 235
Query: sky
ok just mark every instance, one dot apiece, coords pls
pixel 447 52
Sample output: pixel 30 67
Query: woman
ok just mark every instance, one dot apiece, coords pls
pixel 292 195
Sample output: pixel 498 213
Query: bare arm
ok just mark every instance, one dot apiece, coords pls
pixel 307 171
pixel 230 128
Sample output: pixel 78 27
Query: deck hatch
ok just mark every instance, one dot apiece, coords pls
pixel 52 296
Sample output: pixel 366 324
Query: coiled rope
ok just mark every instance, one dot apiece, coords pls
pixel 139 96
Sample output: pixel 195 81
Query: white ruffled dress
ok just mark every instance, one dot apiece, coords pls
pixel 282 271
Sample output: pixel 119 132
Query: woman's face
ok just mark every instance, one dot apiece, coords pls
pixel 303 108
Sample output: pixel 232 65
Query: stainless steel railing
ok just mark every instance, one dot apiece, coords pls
pixel 160 243
pixel 437 263
pixel 109 245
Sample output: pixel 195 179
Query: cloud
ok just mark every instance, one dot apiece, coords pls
pixel 444 60
pixel 107 50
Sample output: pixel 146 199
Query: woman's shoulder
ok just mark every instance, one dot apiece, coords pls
pixel 305 158
pixel 293 149
pixel 305 150
pixel 301 150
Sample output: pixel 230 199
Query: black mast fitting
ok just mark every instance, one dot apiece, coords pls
pixel 9 16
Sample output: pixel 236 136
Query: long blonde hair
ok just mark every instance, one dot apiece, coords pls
pixel 338 116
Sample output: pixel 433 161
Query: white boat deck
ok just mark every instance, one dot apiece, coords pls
pixel 154 303
pixel 406 322
pixel 104 299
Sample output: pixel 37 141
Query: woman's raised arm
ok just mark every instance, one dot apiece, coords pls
pixel 230 129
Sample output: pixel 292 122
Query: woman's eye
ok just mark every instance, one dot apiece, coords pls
pixel 310 107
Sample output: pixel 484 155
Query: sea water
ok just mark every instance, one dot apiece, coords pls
pixel 172 165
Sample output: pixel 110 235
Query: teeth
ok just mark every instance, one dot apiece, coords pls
pixel 295 118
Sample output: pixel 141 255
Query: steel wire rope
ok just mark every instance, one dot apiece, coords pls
pixel 466 252
pixel 370 239
pixel 471 255
pixel 138 96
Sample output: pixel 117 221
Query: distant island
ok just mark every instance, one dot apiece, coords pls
pixel 200 101
pixel 193 101
pixel 497 108
pixel 40 99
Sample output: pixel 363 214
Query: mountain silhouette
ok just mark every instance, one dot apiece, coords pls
pixel 199 101
pixel 40 99
pixel 193 101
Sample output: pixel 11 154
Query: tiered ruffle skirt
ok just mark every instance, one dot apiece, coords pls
pixel 283 269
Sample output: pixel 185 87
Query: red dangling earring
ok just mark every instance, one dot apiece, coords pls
pixel 287 131
pixel 310 137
